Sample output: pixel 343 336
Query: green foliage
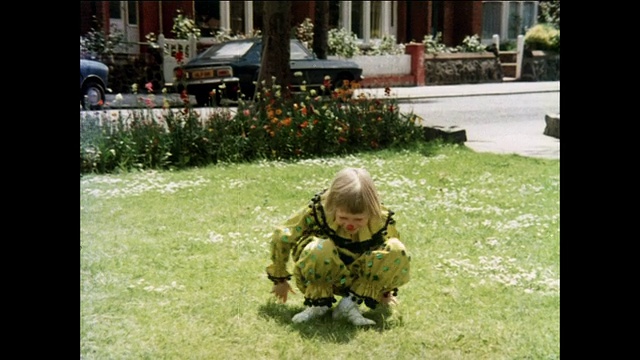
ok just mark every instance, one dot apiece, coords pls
pixel 342 42
pixel 304 126
pixel 184 26
pixel 543 37
pixel 434 45
pixel 388 45
pixel 549 13
pixel 304 33
pixel 98 44
pixel 471 44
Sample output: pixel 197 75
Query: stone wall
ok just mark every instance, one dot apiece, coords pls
pixel 462 68
pixel 540 65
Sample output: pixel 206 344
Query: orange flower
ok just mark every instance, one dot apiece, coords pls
pixel 278 111
pixel 304 124
pixel 286 121
pixel 304 111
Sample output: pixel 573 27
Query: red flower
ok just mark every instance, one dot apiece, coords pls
pixel 341 140
pixel 184 96
pixel 179 56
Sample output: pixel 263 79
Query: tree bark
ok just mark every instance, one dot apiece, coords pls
pixel 276 47
pixel 321 29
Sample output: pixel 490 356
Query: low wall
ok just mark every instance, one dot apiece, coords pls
pixel 462 68
pixel 540 65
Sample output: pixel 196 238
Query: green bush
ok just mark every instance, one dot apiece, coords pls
pixel 471 44
pixel 306 125
pixel 543 37
pixel 434 45
pixel 342 42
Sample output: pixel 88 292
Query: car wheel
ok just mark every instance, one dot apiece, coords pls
pixel 93 95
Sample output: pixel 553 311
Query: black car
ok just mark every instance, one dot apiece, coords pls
pixel 236 64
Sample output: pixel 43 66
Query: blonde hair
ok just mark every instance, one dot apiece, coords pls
pixel 353 190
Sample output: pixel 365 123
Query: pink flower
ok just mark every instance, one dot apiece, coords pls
pixel 246 112
pixel 149 86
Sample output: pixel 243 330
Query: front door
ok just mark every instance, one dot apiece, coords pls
pixel 123 16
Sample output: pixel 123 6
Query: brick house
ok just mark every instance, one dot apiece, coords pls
pixel 369 20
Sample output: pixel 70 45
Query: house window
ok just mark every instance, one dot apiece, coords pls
pixel 207 15
pixel 356 19
pixel 369 20
pixel 507 19
pixel 237 17
pixel 376 19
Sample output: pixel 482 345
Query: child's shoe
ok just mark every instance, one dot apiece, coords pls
pixel 349 309
pixel 309 313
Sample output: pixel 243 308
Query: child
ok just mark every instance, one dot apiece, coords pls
pixel 344 243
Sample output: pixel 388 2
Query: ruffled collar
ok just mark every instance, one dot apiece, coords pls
pixel 374 227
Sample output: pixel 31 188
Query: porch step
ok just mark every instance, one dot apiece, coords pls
pixel 509 69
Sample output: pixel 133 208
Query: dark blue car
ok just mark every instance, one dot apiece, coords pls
pixel 93 83
pixel 236 65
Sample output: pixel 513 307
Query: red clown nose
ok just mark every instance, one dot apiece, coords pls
pixel 349 227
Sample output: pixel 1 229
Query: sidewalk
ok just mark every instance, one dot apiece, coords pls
pixel 403 94
pixel 436 91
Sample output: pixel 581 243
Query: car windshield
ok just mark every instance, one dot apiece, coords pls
pixel 227 50
pixel 297 52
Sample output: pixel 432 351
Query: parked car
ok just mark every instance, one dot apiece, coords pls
pixel 236 64
pixel 93 83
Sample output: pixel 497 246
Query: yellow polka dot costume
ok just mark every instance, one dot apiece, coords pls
pixel 328 261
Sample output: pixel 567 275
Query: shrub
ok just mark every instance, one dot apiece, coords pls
pixel 304 33
pixel 306 125
pixel 434 45
pixel 184 26
pixel 543 37
pixel 97 44
pixel 342 42
pixel 471 44
pixel 387 46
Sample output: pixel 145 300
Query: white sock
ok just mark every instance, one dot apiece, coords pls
pixel 349 309
pixel 309 313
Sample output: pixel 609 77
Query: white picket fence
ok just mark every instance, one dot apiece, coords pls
pixel 188 47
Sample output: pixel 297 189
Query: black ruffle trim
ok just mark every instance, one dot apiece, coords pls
pixel 328 301
pixel 278 280
pixel 369 302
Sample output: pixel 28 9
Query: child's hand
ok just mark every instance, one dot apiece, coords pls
pixel 282 290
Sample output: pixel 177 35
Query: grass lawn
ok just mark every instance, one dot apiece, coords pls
pixel 173 263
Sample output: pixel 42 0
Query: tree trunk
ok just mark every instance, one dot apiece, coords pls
pixel 321 29
pixel 275 46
